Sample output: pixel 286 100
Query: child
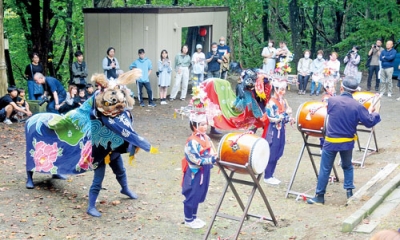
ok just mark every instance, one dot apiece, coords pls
pixel 82 96
pixel 164 77
pixel 89 90
pixel 22 103
pixel 278 113
pixel 200 154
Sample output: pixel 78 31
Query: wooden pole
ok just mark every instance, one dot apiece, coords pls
pixel 3 69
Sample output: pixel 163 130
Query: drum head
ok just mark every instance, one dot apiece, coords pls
pixel 259 156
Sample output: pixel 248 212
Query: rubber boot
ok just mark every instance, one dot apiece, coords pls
pixel 123 181
pixel 117 165
pixel 92 211
pixel 29 180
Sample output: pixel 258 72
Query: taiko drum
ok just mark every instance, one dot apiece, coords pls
pixel 365 98
pixel 242 149
pixel 311 118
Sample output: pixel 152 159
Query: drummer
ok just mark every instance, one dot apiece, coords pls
pixel 344 115
pixel 279 113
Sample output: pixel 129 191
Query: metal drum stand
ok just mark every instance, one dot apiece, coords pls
pixel 245 208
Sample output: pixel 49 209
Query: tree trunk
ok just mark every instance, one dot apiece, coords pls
pixel 339 14
pixel 3 70
pixel 264 20
pixel 314 31
pixel 296 25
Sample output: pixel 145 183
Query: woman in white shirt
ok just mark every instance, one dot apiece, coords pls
pixel 269 54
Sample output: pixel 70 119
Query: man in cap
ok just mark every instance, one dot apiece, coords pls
pixel 343 115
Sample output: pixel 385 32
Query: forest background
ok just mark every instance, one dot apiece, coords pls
pixel 55 30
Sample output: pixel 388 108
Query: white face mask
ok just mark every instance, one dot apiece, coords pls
pixel 270 44
pixel 319 56
pixel 222 42
pixel 306 55
pixel 214 49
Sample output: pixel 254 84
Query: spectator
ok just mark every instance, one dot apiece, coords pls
pixel 8 106
pixel 225 52
pixel 352 60
pixel 198 60
pixel 145 65
pixel 71 101
pixel 373 67
pixel 304 71
pixel 110 64
pixel 182 63
pixel 317 69
pixel 81 96
pixel 282 52
pixel 333 65
pixel 89 90
pixel 54 91
pixel 22 103
pixel 164 75
pixel 269 55
pixel 35 91
pixel 387 60
pixel 214 59
pixel 79 71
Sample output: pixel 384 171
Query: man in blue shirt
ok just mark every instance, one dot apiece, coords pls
pixel 387 62
pixel 145 65
pixel 53 90
pixel 214 59
pixel 343 115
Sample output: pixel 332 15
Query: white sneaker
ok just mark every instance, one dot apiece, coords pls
pixel 7 121
pixel 272 181
pixel 200 221
pixel 163 102
pixel 194 224
pixel 389 95
pixel 398 99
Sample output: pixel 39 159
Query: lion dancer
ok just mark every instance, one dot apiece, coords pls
pixel 112 134
pixel 278 113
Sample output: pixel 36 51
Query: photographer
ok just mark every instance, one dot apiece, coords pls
pixel 79 71
pixel 352 60
pixel 373 64
pixel 54 93
pixel 214 60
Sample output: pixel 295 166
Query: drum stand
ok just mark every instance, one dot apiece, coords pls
pixel 255 184
pixel 307 145
pixel 367 150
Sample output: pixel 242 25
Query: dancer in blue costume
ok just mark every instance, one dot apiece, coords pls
pixel 87 138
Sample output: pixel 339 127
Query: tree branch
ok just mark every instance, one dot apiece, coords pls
pixel 321 32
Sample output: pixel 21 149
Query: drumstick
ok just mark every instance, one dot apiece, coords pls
pixel 376 100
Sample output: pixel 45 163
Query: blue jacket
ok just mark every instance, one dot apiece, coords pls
pixel 387 58
pixel 145 65
pixel 344 114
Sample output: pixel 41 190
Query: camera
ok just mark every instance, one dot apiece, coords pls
pixel 375 46
pixel 44 99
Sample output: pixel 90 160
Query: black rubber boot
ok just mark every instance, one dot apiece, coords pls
pixel 29 180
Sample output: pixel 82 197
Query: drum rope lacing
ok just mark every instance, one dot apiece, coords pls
pixel 234 143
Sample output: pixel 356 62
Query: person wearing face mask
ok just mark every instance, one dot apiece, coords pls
pixel 352 60
pixel 225 52
pixel 269 55
pixel 304 71
pixel 214 60
pixel 317 69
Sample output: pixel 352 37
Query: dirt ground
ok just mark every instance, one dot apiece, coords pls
pixel 56 209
